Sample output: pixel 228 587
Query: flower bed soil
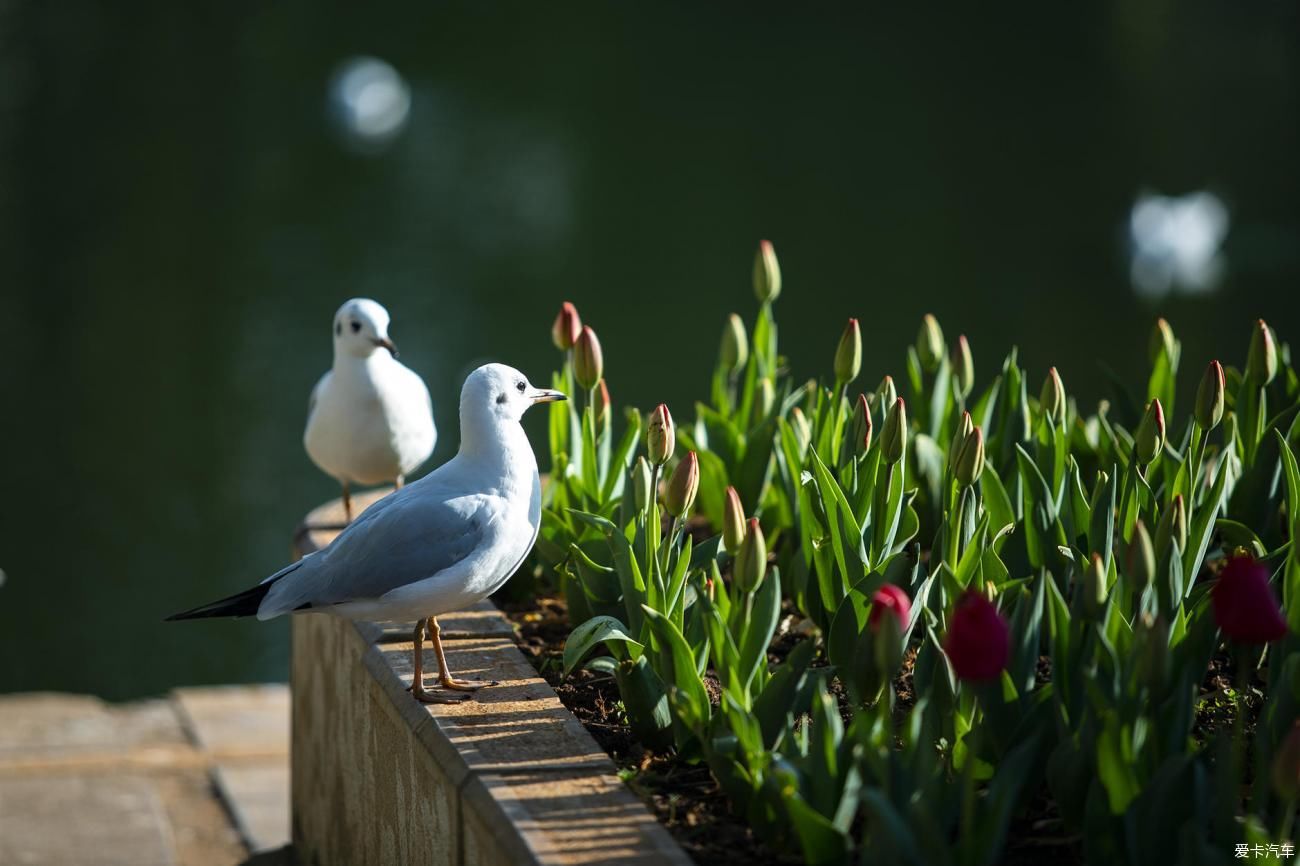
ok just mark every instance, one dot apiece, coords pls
pixel 686 800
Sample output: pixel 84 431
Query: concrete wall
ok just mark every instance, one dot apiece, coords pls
pixel 510 777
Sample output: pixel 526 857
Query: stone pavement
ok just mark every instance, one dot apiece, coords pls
pixel 200 778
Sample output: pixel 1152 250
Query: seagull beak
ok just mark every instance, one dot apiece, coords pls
pixel 387 344
pixel 541 395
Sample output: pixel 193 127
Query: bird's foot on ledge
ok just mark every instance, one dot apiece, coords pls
pixel 465 685
pixel 426 697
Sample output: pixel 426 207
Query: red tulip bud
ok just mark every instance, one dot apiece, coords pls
pixel 567 327
pixel 1149 440
pixel 930 343
pixel 602 402
pixel 751 561
pixel 733 522
pixel 660 436
pixel 1052 397
pixel 767 273
pixel 848 354
pixel 1209 397
pixel 1244 605
pixel 963 367
pixel 858 431
pixel 683 484
pixel 1261 362
pixel 893 440
pixel 892 600
pixel 978 642
pixel 588 361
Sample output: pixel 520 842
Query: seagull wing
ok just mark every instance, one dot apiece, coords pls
pixel 402 539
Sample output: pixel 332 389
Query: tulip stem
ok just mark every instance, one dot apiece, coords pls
pixel 653 529
pixel 1195 454
pixel 1239 723
pixel 675 527
pixel 968 785
pixel 878 517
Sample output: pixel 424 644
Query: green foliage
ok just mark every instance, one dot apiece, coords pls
pixel 1096 535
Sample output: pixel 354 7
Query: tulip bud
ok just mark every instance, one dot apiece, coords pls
pixel 978 642
pixel 767 273
pixel 1052 397
pixel 858 436
pixel 1245 607
pixel 886 393
pixel 963 367
pixel 567 327
pixel 970 460
pixel 1172 527
pixel 1095 589
pixel 848 354
pixel 683 484
pixel 588 361
pixel 1152 639
pixel 893 440
pixel 1209 397
pixel 802 427
pixel 929 343
pixel 1261 363
pixel 890 601
pixel 660 436
pixel 735 345
pixel 1161 341
pixel 641 481
pixel 751 561
pixel 1149 440
pixel 764 400
pixel 964 428
pixel 602 402
pixel 733 522
pixel 1140 563
pixel 1286 765
pixel 891 611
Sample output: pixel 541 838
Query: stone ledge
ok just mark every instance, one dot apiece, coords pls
pixel 510 777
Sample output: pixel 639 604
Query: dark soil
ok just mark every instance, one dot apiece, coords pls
pixel 690 804
pixel 683 795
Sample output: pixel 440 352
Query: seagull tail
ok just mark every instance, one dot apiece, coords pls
pixel 243 603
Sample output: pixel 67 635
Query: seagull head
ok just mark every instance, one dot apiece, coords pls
pixel 360 328
pixel 501 393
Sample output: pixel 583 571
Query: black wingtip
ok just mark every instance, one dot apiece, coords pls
pixel 243 603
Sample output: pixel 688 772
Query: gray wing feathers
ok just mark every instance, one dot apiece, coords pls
pixel 416 539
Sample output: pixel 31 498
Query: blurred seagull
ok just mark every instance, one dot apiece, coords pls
pixel 370 419
pixel 438 545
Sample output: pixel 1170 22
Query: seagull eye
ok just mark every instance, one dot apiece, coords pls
pixel 338 327
pixel 356 327
pixel 520 386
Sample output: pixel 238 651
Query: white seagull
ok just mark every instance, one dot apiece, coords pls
pixel 370 419
pixel 438 545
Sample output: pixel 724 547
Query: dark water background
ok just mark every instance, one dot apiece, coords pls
pixel 179 219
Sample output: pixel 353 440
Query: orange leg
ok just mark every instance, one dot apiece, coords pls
pixel 444 676
pixel 417 680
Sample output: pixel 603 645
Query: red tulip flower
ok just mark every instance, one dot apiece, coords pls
pixel 567 327
pixel 1244 605
pixel 892 600
pixel 978 641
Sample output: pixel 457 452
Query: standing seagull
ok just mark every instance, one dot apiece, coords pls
pixel 438 545
pixel 370 419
